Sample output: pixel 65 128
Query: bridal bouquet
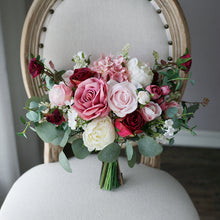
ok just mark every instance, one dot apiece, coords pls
pixel 109 104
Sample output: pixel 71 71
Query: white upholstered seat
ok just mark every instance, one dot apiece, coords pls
pixel 46 192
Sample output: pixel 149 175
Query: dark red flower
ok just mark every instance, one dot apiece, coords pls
pixel 130 125
pixel 35 67
pixel 55 118
pixel 81 74
pixel 185 61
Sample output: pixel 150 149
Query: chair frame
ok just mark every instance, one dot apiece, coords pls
pixel 30 43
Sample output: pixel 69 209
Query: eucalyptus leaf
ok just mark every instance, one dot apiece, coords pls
pixel 65 137
pixel 32 99
pixel 33 105
pixel 132 162
pixel 50 83
pixel 80 151
pixel 33 116
pixel 129 150
pixel 110 153
pixel 59 137
pixel 171 112
pixel 64 162
pixel 22 120
pixel 148 147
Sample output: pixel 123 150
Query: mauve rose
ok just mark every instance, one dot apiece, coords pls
pixel 155 91
pixel 166 105
pixel 90 99
pixel 81 74
pixel 59 94
pixel 165 90
pixel 130 125
pixel 122 98
pixel 187 64
pixel 151 111
pixel 35 67
pixel 55 118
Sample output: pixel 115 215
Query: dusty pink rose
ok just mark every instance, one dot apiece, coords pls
pixel 110 68
pixel 66 78
pixel 165 90
pixel 122 98
pixel 60 94
pixel 166 105
pixel 155 91
pixel 151 111
pixel 90 99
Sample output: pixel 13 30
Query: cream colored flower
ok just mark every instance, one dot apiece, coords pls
pixel 99 133
pixel 143 97
pixel 140 72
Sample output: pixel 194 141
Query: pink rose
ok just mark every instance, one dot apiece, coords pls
pixel 151 111
pixel 66 78
pixel 155 91
pixel 59 94
pixel 90 99
pixel 165 90
pixel 122 98
pixel 166 105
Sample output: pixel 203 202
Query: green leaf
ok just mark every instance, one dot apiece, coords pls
pixel 59 137
pixel 50 83
pixel 192 82
pixel 148 147
pixel 22 120
pixel 33 129
pixel 171 141
pixel 110 153
pixel 171 112
pixel 33 116
pixel 80 151
pixel 129 150
pixel 65 137
pixel 132 162
pixel 176 122
pixel 20 134
pixel 33 105
pixel 46 131
pixel 156 55
pixel 64 162
pixel 32 99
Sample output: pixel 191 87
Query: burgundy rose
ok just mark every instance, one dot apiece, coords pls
pixel 81 74
pixel 130 125
pixel 185 61
pixel 35 67
pixel 55 118
pixel 155 90
pixel 156 77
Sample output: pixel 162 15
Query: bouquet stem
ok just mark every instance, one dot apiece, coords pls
pixel 111 176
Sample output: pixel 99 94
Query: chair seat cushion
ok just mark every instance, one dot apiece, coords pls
pixel 48 192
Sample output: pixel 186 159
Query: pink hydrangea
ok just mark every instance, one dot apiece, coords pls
pixel 110 68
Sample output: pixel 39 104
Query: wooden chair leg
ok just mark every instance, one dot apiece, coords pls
pixel 151 161
pixel 51 153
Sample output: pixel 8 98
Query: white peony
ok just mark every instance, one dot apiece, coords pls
pixel 140 72
pixel 99 133
pixel 143 97
pixel 72 116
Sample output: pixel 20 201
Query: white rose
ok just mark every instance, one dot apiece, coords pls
pixel 140 72
pixel 99 133
pixel 143 97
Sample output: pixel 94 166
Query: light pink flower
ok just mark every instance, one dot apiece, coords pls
pixel 59 94
pixel 110 68
pixel 66 78
pixel 122 98
pixel 90 99
pixel 166 105
pixel 165 90
pixel 151 111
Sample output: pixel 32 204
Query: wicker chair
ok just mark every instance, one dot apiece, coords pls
pixel 57 29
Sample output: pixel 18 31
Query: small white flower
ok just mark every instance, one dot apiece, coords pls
pixel 153 128
pixel 80 60
pixel 168 123
pixel 72 116
pixel 143 97
pixel 161 139
pixel 170 132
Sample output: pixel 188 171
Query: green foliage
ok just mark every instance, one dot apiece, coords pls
pixel 33 116
pixel 80 151
pixel 129 150
pixel 49 82
pixel 171 112
pixel 22 120
pixel 133 160
pixel 156 55
pixel 110 153
pixel 65 137
pixel 149 147
pixel 64 162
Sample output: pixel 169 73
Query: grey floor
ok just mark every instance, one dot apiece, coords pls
pixel 198 170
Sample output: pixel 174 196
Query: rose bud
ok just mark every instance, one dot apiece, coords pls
pixel 151 111
pixel 130 125
pixel 165 90
pixel 81 74
pixel 55 118
pixel 35 67
pixel 185 62
pixel 155 91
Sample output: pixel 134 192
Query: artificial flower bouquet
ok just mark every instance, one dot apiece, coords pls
pixel 113 102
